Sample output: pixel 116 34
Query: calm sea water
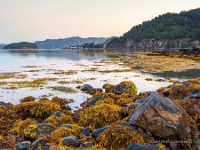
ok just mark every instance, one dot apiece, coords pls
pixel 47 62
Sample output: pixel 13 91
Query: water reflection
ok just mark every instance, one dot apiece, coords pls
pixel 47 62
pixel 61 54
pixel 188 74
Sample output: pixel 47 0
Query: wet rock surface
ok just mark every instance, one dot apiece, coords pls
pixel 87 88
pixel 160 116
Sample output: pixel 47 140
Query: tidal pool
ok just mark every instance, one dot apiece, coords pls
pixel 42 73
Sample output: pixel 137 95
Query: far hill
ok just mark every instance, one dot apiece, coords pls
pixel 170 30
pixel 2 46
pixel 71 41
pixel 21 45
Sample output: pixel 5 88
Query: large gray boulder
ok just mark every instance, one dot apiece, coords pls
pixel 161 117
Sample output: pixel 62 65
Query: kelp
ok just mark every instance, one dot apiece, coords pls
pixel 59 120
pixel 117 137
pixel 99 115
pixel 38 109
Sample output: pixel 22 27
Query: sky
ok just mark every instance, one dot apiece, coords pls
pixel 35 20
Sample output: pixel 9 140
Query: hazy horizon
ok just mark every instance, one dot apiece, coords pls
pixel 25 20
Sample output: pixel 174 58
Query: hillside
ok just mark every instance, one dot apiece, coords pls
pixel 21 45
pixel 171 29
pixel 61 43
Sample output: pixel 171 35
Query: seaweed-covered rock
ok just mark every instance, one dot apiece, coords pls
pixel 19 126
pixel 109 88
pixel 139 146
pixel 34 130
pixel 162 118
pixel 27 99
pixel 88 144
pixel 38 144
pixel 191 106
pixel 96 132
pixel 195 94
pixel 87 88
pixel 38 110
pixel 62 132
pixel 59 118
pixel 99 115
pixel 117 136
pixel 182 90
pixel 128 108
pixel 71 141
pixel 6 120
pixel 23 146
pixel 4 104
pixel 94 101
pixel 126 87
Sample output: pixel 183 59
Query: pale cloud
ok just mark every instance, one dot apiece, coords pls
pixel 31 20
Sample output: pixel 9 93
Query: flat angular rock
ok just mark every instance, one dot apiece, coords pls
pixel 160 116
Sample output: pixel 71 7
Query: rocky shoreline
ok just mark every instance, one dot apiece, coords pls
pixel 115 117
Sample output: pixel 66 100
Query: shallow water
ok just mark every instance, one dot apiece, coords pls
pixel 40 64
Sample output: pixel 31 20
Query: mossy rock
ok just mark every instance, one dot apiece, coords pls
pixel 117 137
pixel 180 90
pixel 20 125
pixel 6 120
pixel 27 99
pixel 64 131
pixel 126 87
pixel 37 145
pixel 34 130
pixel 59 118
pixel 38 110
pixel 109 88
pixel 99 115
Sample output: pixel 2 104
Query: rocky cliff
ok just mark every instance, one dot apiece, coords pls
pixel 152 44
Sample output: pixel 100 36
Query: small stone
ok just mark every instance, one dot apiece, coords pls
pixel 96 132
pixel 71 141
pixel 88 144
pixel 26 145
